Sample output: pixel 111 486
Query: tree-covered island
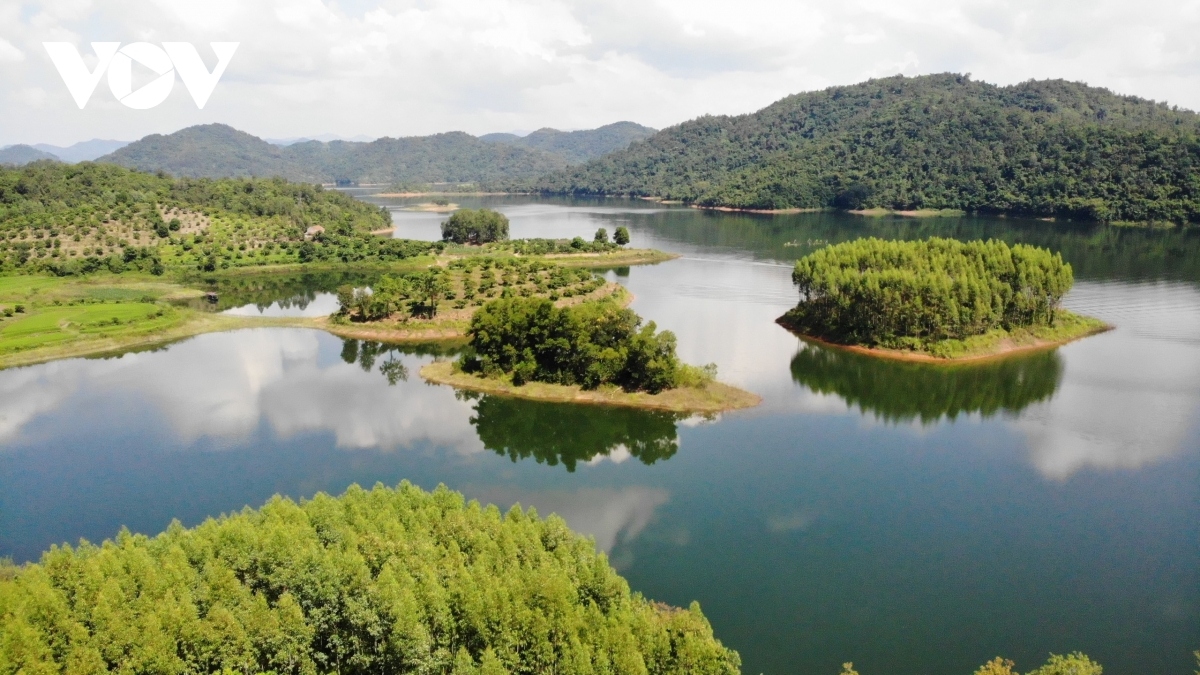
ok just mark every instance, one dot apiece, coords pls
pixel 935 299
pixel 590 352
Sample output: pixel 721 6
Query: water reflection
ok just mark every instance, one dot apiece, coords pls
pixel 567 434
pixel 1131 396
pixel 897 391
pixel 610 515
pixel 299 294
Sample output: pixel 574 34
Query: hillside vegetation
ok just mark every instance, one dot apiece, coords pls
pixel 76 219
pixel 577 146
pixel 379 581
pixel 1048 148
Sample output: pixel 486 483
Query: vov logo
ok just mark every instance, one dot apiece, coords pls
pixel 165 61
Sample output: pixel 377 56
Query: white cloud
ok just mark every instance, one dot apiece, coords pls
pixel 403 67
pixel 9 53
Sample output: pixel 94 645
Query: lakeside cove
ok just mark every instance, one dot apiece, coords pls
pixel 711 398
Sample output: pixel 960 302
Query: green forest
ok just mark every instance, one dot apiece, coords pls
pixel 375 581
pixel 1045 148
pixel 911 293
pixel 75 219
pixel 588 344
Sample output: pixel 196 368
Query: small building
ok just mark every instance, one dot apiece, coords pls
pixel 313 231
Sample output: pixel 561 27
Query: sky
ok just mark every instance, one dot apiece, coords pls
pixel 413 67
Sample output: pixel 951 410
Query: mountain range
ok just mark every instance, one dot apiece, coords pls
pixel 217 150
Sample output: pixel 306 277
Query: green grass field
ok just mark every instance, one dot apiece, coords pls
pixel 52 325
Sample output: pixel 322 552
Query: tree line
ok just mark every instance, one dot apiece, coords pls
pixel 374 581
pixel 877 292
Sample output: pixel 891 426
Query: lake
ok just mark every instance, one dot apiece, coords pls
pixel 910 519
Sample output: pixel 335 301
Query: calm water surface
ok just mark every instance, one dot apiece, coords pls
pixel 911 519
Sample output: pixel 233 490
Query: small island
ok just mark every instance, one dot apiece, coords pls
pixel 936 300
pixel 590 352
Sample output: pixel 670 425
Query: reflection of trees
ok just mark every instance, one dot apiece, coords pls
pixel 367 353
pixel 898 391
pixel 289 290
pixel 567 433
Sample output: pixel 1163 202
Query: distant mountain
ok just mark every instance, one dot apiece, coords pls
pixel 360 138
pixel 207 151
pixel 84 151
pixel 1048 148
pixel 217 150
pixel 577 146
pixel 17 155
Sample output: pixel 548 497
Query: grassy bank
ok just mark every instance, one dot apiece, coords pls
pixel 997 343
pixel 713 397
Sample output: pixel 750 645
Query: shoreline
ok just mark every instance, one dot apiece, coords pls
pixel 774 212
pixel 715 397
pixel 1005 347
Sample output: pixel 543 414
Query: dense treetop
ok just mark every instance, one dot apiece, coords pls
pixel 379 581
pixel 1050 148
pixel 876 292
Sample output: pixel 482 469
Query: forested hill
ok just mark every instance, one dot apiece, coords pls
pixel 578 146
pixel 1048 148
pixel 220 151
